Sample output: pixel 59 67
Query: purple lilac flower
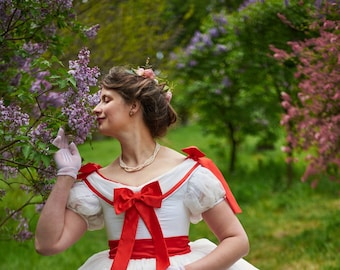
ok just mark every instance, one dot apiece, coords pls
pixel 11 117
pixel 23 232
pixel 221 48
pixel 35 49
pixel 213 32
pixel 47 174
pixel 26 188
pixel 220 19
pixel 207 40
pixel 2 193
pixel 226 82
pixel 6 170
pixel 180 65
pixel 193 63
pixel 78 104
pixel 15 81
pixel 39 207
pixel 23 229
pixel 218 92
pixel 92 31
pixel 80 120
pixel 196 38
pixel 40 84
pixel 54 99
pixel 23 64
pixel 94 99
pixel 40 133
pixel 246 3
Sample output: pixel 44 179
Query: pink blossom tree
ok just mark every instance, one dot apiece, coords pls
pixel 312 110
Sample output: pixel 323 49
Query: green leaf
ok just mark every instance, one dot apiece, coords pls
pixel 26 150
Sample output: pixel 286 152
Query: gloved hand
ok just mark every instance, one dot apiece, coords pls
pixel 67 158
pixel 61 140
pixel 173 267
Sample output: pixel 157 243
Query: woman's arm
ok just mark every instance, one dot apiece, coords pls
pixel 233 239
pixel 58 228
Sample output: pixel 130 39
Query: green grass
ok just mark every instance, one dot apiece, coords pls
pixel 292 228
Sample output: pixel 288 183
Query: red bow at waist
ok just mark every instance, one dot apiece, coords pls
pixel 135 205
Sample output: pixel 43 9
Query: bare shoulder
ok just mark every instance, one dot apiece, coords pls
pixel 171 155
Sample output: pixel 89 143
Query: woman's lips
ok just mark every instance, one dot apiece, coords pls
pixel 100 120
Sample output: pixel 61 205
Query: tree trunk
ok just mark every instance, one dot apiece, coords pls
pixel 233 148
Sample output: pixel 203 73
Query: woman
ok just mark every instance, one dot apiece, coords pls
pixel 147 196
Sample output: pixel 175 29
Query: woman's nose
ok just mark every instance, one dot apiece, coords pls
pixel 97 109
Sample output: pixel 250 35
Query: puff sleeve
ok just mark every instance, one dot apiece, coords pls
pixel 203 192
pixel 83 202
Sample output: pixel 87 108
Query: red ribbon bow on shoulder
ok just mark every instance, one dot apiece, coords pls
pixel 197 155
pixel 87 169
pixel 135 205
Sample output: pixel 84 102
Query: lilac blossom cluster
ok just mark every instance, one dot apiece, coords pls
pixel 92 31
pixel 210 42
pixel 79 102
pixel 201 41
pixel 22 230
pixel 12 118
pixel 40 133
pixel 247 3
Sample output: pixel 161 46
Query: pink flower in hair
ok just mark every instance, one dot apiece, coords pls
pixel 168 96
pixel 146 73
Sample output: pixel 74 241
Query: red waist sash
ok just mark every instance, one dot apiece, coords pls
pixel 145 248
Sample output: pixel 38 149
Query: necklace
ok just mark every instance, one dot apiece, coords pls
pixel 139 167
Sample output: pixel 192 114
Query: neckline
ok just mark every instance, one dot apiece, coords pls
pixel 157 178
pixel 146 163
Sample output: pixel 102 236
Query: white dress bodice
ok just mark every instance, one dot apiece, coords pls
pixel 198 192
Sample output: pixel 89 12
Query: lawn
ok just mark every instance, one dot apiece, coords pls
pixel 293 228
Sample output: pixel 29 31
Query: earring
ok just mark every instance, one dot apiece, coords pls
pixel 131 113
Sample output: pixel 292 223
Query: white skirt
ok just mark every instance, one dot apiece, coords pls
pixel 199 248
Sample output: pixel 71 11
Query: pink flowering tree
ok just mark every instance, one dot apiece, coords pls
pixel 38 95
pixel 312 111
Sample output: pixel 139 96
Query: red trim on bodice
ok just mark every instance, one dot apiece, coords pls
pixel 196 154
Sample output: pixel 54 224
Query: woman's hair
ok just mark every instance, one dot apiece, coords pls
pixel 158 114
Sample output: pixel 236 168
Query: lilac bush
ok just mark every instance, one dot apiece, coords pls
pixel 38 95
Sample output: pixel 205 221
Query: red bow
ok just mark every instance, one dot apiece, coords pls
pixel 196 154
pixel 135 205
pixel 87 169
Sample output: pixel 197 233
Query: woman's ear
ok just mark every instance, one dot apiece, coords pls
pixel 135 106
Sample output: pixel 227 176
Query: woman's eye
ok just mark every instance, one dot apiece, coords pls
pixel 105 99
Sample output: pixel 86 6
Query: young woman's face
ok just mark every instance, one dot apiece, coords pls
pixel 112 113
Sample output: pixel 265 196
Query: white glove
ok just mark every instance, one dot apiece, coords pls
pixel 61 140
pixel 67 158
pixel 173 267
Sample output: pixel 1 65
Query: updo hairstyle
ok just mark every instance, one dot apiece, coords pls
pixel 158 114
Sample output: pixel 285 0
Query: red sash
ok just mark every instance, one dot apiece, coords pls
pixel 145 248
